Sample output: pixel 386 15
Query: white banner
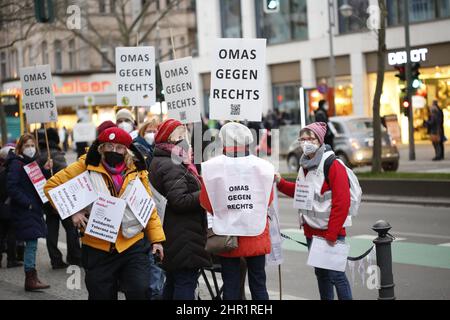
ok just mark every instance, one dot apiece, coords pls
pixel 84 132
pixel 180 91
pixel 140 202
pixel 74 195
pixel 275 257
pixel 38 99
pixel 135 74
pixel 238 79
pixel 105 217
pixel 37 178
pixel 322 255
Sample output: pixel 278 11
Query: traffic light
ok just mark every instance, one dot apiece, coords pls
pixel 271 6
pixel 415 81
pixel 405 106
pixel 401 72
pixel 44 11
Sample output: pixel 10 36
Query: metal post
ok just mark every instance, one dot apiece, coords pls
pixel 412 153
pixel 384 260
pixel 332 59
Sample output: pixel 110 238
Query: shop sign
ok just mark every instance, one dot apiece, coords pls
pixel 417 55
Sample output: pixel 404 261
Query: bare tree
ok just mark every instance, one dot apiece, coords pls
pixel 14 14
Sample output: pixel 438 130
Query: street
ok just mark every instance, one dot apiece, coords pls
pixel 421 256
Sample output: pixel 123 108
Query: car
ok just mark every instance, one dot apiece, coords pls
pixel 353 144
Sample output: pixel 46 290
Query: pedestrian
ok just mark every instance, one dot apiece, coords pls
pixel 26 205
pixel 81 146
pixel 174 176
pixel 52 217
pixel 321 115
pixel 236 169
pixel 330 206
pixel 112 167
pixel 145 141
pixel 435 126
pixel 125 120
pixel 7 228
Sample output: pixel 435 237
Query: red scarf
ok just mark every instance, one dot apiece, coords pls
pixel 117 174
pixel 182 154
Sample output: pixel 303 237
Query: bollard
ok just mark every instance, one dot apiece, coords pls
pixel 384 260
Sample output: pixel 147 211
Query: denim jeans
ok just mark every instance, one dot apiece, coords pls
pixel 328 279
pixel 181 284
pixel 256 277
pixel 157 277
pixel 30 255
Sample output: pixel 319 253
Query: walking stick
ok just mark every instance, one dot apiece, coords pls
pixel 279 279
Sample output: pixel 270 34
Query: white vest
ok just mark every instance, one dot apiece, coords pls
pixel 319 215
pixel 239 191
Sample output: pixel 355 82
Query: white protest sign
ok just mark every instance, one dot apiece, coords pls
pixel 37 178
pixel 160 202
pixel 238 79
pixel 39 101
pixel 322 255
pixel 74 195
pixel 105 218
pixel 304 195
pixel 135 75
pixel 275 257
pixel 140 202
pixel 180 92
pixel 84 132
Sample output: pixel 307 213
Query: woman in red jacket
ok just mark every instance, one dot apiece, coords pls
pixel 326 216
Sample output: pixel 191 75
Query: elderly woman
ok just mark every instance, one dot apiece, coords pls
pixel 126 260
pixel 174 176
pixel 145 141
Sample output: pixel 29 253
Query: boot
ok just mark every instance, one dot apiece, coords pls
pixel 32 282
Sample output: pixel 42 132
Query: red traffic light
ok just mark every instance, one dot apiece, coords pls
pixel 405 104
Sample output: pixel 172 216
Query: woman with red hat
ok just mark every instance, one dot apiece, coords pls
pixel 113 166
pixel 174 176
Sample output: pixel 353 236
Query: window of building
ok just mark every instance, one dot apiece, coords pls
pixel 58 55
pixel 102 6
pixel 14 59
pixel 105 56
pixel 357 21
pixel 3 65
pixel 112 6
pixel 231 21
pixel 44 52
pixel 29 51
pixel 72 55
pixel 290 23
pixel 419 10
pixel 286 102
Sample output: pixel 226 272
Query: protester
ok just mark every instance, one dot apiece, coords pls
pixel 174 175
pixel 125 120
pixel 145 141
pixel 330 206
pixel 253 174
pixel 52 217
pixel 113 167
pixel 321 115
pixel 26 205
pixel 435 126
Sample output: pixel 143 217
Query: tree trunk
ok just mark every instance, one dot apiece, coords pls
pixel 381 56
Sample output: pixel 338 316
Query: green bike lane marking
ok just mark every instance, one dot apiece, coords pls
pixel 418 254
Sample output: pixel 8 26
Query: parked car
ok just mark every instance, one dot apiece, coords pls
pixel 353 144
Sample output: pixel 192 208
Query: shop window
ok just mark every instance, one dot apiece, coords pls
pixel 230 14
pixel 289 24
pixel 419 10
pixel 357 21
pixel 286 102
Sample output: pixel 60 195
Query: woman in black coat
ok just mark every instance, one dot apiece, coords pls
pixel 175 177
pixel 26 206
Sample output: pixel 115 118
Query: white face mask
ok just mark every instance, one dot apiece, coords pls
pixel 150 137
pixel 325 106
pixel 309 147
pixel 29 152
pixel 128 127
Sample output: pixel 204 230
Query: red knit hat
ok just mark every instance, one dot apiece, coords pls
pixel 115 135
pixel 105 125
pixel 319 128
pixel 165 129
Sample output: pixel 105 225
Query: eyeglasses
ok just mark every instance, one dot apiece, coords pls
pixel 108 147
pixel 307 139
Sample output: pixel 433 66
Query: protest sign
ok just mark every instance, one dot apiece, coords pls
pixel 135 74
pixel 74 195
pixel 322 255
pixel 140 202
pixel 180 92
pixel 160 202
pixel 37 178
pixel 38 101
pixel 84 132
pixel 105 217
pixel 238 79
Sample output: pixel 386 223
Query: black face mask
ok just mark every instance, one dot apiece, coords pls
pixel 114 158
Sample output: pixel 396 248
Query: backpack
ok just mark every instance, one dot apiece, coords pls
pixel 355 188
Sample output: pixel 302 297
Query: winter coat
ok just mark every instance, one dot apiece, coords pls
pixel 435 123
pixel 145 149
pixel 26 205
pixel 185 223
pixel 57 155
pixel 153 231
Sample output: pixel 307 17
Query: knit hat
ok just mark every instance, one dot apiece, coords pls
pixel 115 135
pixel 124 114
pixel 165 129
pixel 319 128
pixel 235 134
pixel 105 125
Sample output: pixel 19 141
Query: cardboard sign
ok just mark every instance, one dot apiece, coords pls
pixel 84 132
pixel 180 92
pixel 140 202
pixel 105 218
pixel 74 195
pixel 160 202
pixel 39 101
pixel 135 74
pixel 322 255
pixel 37 178
pixel 238 79
pixel 304 195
